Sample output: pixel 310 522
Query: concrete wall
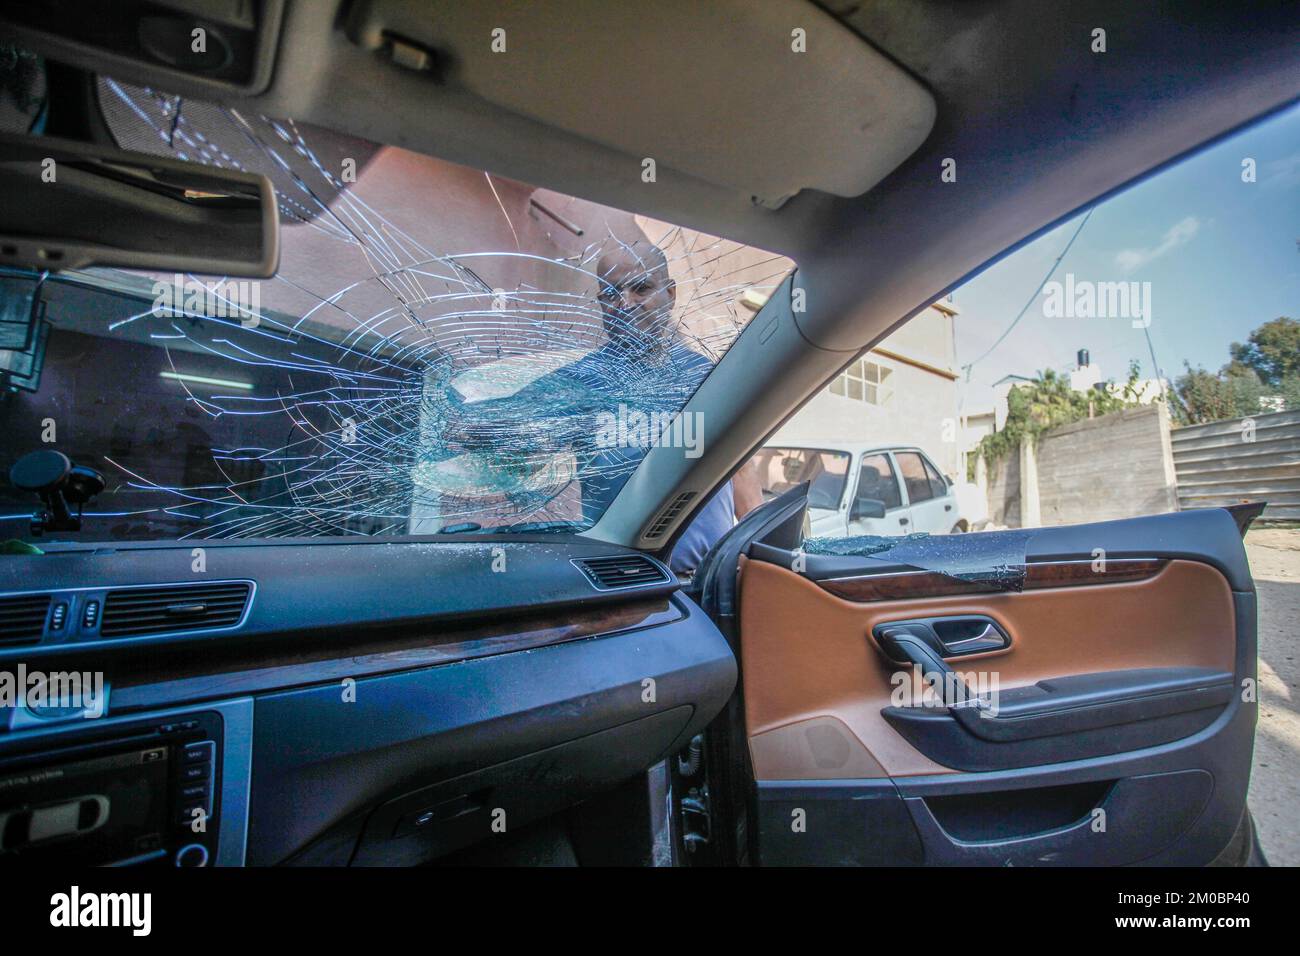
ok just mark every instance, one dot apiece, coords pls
pixel 1116 466
pixel 1004 492
pixel 974 427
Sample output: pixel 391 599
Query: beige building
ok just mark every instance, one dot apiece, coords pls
pixel 902 392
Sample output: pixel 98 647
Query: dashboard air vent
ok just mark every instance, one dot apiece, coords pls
pixel 669 515
pixel 22 618
pixel 622 571
pixel 173 607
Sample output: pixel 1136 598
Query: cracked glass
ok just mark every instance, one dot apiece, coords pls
pixel 442 350
pixel 993 560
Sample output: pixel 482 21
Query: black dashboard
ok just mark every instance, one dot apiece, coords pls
pixel 360 702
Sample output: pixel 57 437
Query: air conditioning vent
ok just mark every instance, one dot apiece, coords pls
pixel 22 618
pixel 623 571
pixel 669 515
pixel 173 607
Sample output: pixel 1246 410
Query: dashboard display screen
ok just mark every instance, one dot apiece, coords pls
pixel 103 809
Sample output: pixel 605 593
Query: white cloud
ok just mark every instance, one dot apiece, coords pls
pixel 1282 172
pixel 1179 234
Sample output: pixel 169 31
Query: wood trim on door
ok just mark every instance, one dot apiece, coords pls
pixel 907 585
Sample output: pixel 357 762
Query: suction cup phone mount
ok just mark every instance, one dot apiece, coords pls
pixel 59 483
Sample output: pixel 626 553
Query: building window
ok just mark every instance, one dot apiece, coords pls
pixel 865 381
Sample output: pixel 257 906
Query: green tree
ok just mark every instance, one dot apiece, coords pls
pixel 1267 365
pixel 1272 351
pixel 1289 389
pixel 1201 396
pixel 1246 390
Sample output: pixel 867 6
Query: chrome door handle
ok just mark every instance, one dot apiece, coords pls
pixel 957 636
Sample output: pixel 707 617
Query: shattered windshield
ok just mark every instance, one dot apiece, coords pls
pixel 441 350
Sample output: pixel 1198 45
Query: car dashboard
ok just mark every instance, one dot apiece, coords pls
pixel 343 702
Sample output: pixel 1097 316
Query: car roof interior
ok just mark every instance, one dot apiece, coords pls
pixel 837 167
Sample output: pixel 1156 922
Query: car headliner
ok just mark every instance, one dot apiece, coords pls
pixel 1038 124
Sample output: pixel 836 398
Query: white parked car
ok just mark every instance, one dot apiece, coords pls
pixel 870 489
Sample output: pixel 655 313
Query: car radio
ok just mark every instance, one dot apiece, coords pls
pixel 135 793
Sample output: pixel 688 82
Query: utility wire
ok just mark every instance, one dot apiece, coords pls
pixel 1160 379
pixel 1021 314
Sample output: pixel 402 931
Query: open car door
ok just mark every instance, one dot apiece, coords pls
pixel 1103 710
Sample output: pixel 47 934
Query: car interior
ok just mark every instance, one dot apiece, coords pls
pixel 318 684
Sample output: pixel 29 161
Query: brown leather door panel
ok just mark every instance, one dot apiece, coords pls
pixel 815 683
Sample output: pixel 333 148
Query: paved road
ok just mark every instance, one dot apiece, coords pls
pixel 1275 779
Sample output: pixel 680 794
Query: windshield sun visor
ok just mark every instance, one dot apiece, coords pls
pixel 838 119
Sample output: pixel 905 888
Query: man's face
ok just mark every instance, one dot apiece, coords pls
pixel 636 296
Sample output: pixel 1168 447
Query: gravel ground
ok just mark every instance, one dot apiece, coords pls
pixel 1275 780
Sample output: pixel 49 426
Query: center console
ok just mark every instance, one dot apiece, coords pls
pixel 166 789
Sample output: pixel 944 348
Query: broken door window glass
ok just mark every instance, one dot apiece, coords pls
pixel 995 559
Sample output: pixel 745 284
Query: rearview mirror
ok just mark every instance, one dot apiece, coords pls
pixel 867 508
pixel 69 205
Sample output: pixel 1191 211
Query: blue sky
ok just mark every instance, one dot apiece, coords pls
pixel 1221 256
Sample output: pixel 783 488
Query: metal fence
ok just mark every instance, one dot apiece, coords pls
pixel 1243 459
